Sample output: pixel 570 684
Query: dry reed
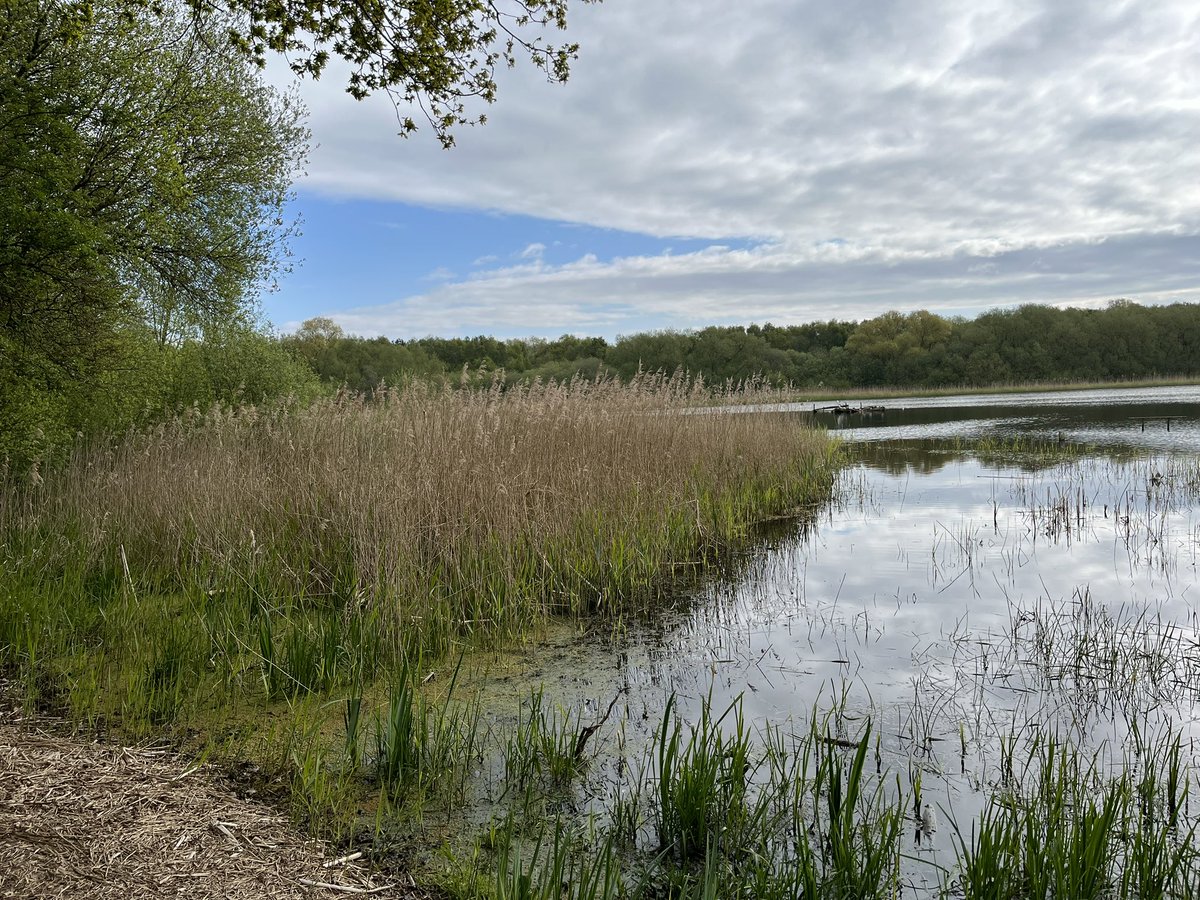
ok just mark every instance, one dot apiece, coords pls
pixel 446 509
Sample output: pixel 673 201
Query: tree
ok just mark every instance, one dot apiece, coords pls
pixel 895 348
pixel 144 167
pixel 650 351
pixel 436 54
pixel 145 170
pixel 319 331
pixel 733 354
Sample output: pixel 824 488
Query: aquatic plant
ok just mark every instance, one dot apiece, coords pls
pixel 315 548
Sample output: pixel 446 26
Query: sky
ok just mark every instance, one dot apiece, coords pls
pixel 711 163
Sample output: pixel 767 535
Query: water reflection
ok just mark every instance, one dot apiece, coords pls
pixel 1163 419
pixel 956 601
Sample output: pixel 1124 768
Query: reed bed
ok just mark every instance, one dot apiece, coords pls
pixel 723 809
pixel 271 554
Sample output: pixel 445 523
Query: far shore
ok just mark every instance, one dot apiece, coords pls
pixel 1029 387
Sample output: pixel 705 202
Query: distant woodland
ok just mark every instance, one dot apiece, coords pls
pixel 920 349
pixel 149 379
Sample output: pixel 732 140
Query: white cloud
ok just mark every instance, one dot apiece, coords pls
pixel 852 140
pixel 532 251
pixel 778 284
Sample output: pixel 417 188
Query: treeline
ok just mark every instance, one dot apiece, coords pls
pixel 143 379
pixel 141 382
pixel 920 349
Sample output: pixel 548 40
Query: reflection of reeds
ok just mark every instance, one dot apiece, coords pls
pixel 1124 661
pixel 1135 500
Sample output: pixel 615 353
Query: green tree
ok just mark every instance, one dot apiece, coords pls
pixel 144 166
pixel 897 349
pixel 434 54
pixel 733 354
pixel 650 351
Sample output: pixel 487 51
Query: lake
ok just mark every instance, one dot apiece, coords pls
pixel 1110 417
pixel 959 600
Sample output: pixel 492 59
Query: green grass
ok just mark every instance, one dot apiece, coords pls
pixel 1064 830
pixel 761 813
pixel 275 586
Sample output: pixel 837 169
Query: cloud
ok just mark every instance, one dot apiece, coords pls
pixel 864 146
pixel 532 251
pixel 783 285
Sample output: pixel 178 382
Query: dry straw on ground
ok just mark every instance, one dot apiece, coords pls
pixel 84 820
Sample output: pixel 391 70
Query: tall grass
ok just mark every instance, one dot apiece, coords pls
pixel 732 811
pixel 743 812
pixel 247 555
pixel 455 511
pixel 1063 829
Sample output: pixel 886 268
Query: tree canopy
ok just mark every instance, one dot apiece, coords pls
pixel 144 168
pixel 435 54
pixel 918 349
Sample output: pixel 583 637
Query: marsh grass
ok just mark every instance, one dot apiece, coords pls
pixel 742 812
pixel 559 867
pixel 703 781
pixel 1063 828
pixel 545 747
pixel 734 811
pixel 418 744
pixel 452 511
pixel 267 585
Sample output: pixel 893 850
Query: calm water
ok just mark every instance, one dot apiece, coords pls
pixel 951 600
pixel 1105 418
